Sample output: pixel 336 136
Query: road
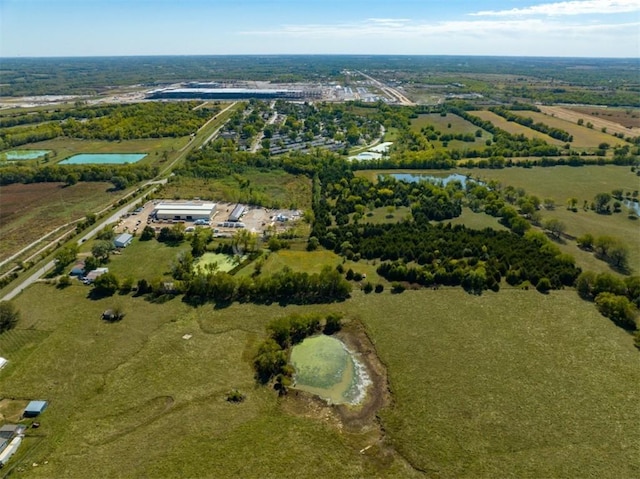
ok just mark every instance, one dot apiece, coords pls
pixel 392 92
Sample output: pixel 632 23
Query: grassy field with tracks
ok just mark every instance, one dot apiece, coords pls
pixel 481 385
pixel 513 127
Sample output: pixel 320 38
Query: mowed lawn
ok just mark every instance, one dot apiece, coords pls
pixel 511 384
pixel 30 211
pixel 513 127
pixel 146 259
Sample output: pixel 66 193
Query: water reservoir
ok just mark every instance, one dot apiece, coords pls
pixel 103 159
pixel 19 155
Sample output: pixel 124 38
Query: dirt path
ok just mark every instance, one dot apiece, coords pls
pixel 598 123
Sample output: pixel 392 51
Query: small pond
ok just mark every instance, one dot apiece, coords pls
pixel 325 367
pixel 103 159
pixel 18 155
pixel 443 180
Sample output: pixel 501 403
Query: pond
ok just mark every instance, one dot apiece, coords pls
pixel 103 159
pixel 224 262
pixel 325 367
pixel 443 180
pixel 18 155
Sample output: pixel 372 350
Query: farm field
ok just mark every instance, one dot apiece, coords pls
pixel 583 137
pixel 275 189
pixel 30 211
pixel 628 118
pixel 481 385
pixel 513 127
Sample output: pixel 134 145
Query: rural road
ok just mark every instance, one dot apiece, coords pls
pixel 394 93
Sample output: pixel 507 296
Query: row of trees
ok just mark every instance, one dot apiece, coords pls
pixel 120 175
pixel 553 132
pixel 616 298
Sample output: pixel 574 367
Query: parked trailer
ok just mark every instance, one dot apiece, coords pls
pixel 10 450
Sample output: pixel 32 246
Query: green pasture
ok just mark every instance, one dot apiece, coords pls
pixel 274 188
pixel 481 385
pixel 476 221
pixel 513 127
pixel 583 137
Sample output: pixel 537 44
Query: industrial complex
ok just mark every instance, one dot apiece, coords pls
pixel 190 211
pixel 235 94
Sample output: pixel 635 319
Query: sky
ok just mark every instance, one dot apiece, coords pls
pixel 575 28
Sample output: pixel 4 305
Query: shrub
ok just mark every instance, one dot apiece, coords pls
pixel 9 315
pixel 618 309
pixel 235 396
pixel 397 287
pixel 379 288
pixel 367 288
pixel 64 281
pixel 544 285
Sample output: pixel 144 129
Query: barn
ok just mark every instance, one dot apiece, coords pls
pixel 34 408
pixel 123 240
pixel 184 211
pixel 236 214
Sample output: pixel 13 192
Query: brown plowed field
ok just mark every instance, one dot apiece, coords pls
pixel 28 212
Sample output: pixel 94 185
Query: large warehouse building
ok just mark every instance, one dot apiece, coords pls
pixel 235 93
pixel 184 211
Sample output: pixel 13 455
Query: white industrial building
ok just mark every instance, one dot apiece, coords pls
pixel 184 211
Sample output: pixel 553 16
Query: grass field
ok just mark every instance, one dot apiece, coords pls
pixel 145 259
pixel 615 120
pixel 509 384
pixel 513 127
pixel 583 137
pixel 627 117
pixel 30 211
pixel 458 126
pixel 584 183
pixel 269 188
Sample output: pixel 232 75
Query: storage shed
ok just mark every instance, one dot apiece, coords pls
pixel 3 362
pixel 34 408
pixel 9 431
pixel 236 214
pixel 123 240
pixel 78 269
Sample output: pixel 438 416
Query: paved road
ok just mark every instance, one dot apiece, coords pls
pixel 394 93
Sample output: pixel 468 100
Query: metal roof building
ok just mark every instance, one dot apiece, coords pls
pixel 236 213
pixel 34 408
pixel 123 240
pixel 234 93
pixel 184 211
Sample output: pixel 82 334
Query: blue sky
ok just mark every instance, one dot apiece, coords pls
pixel 596 28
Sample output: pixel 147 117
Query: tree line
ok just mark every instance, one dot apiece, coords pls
pixel 557 133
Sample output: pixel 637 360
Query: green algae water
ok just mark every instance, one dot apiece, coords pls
pixel 18 155
pixel 325 367
pixel 103 158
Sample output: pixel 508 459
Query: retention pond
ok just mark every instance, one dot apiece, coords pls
pixel 18 155
pixel 325 367
pixel 103 159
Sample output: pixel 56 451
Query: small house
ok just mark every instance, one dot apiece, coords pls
pixel 123 240
pixel 34 408
pixel 9 431
pixel 3 362
pixel 96 273
pixel 78 269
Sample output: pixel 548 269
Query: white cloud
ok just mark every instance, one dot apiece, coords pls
pixel 575 7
